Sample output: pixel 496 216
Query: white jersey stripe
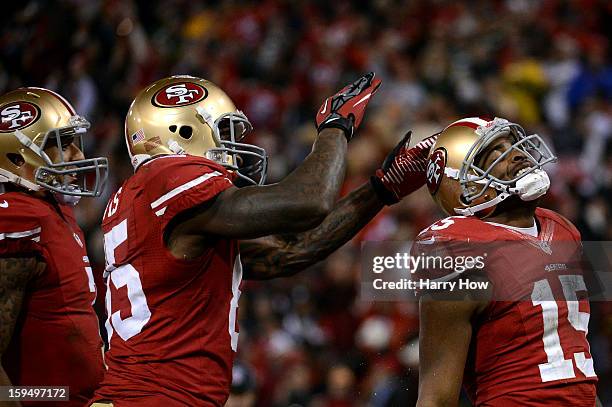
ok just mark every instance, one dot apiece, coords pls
pixel 17 235
pixel 182 188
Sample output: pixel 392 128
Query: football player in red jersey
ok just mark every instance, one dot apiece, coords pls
pixel 523 341
pixel 49 332
pixel 173 260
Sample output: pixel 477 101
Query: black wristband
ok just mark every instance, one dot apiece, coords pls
pixel 335 121
pixel 384 195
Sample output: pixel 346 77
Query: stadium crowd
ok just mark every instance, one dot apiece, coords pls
pixel 309 340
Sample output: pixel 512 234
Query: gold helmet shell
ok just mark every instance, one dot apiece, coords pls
pixel 32 119
pixel 184 114
pixel 459 184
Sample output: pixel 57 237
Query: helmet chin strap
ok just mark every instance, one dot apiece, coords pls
pixel 7 176
pixel 175 147
pixel 528 188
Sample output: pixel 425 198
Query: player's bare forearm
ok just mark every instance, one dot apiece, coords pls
pixel 321 175
pixel 14 276
pixel 299 202
pixel 5 381
pixel 304 197
pixel 281 256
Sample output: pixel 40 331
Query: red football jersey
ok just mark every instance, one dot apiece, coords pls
pixel 171 323
pixel 56 341
pixel 530 346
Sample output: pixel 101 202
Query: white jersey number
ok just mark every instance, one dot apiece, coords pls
pixel 236 279
pixel 557 367
pixel 125 275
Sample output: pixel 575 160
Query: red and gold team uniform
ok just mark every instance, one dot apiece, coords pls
pixel 529 347
pixel 171 323
pixel 56 341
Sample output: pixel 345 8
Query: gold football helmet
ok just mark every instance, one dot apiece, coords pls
pixel 184 114
pixel 458 182
pixel 33 119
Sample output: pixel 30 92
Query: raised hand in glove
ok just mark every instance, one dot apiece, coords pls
pixel 403 171
pixel 345 109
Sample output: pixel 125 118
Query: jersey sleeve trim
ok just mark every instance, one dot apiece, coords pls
pixel 180 189
pixel 19 235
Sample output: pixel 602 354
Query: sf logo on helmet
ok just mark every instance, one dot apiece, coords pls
pixel 435 169
pixel 17 116
pixel 179 94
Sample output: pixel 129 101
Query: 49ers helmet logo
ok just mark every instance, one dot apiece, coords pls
pixel 179 94
pixel 435 169
pixel 17 115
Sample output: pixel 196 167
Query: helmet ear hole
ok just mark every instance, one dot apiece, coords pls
pixel 16 159
pixel 186 132
pixel 172 128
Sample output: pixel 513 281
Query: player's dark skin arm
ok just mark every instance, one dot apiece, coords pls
pixel 299 202
pixel 14 276
pixel 442 356
pixel 285 255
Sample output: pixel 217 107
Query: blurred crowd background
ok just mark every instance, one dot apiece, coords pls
pixel 309 340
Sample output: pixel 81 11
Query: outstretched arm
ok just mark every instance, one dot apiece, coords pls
pixel 285 255
pixel 14 276
pixel 303 198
